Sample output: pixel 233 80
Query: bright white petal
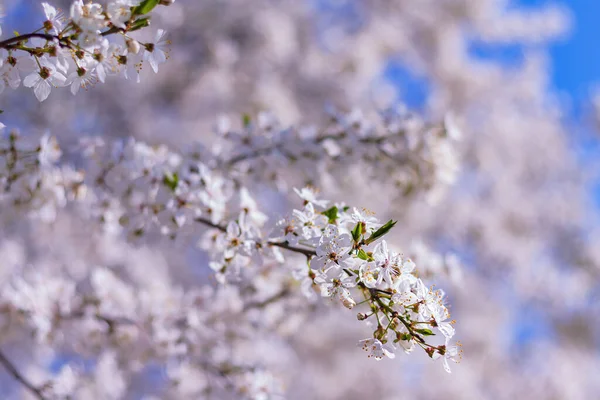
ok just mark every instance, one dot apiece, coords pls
pixel 42 90
pixel 31 79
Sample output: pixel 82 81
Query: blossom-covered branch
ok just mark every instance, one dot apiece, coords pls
pixel 138 190
pixel 74 49
pixel 417 156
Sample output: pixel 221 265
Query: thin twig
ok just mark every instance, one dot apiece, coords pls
pixel 260 304
pixel 22 38
pixel 284 245
pixel 37 392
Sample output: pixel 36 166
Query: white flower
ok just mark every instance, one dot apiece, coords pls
pixel 82 78
pixel 310 196
pixel 42 81
pixel 101 61
pixel 336 283
pixel 9 76
pixel 377 349
pixel 120 11
pixel 388 261
pixel 440 315
pixel 370 275
pixel 88 16
pixel 363 216
pixel 49 151
pixel 156 52
pixel 332 250
pixel 53 22
pixel 308 223
pixel 448 353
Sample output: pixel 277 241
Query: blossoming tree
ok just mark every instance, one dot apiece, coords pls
pixel 163 237
pixel 129 190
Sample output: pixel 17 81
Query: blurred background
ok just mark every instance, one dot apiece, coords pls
pixel 522 79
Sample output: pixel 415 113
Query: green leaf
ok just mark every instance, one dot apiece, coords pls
pixel 332 214
pixel 246 120
pixel 425 332
pixel 381 231
pixel 145 7
pixel 139 24
pixel 363 255
pixel 356 232
pixel 16 33
pixel 171 180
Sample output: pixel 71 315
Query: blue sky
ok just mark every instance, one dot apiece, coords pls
pixel 575 60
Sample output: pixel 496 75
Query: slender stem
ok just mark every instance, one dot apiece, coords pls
pixel 21 38
pixel 210 223
pixel 37 392
pixel 260 304
pixel 284 245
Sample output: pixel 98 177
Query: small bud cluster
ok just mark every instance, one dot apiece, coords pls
pixel 82 47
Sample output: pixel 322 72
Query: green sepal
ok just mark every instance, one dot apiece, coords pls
pixel 246 120
pixel 381 231
pixel 356 232
pixel 171 180
pixel 139 24
pixel 425 332
pixel 332 214
pixel 363 255
pixel 145 7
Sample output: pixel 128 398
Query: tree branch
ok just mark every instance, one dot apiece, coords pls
pixel 12 370
pixel 260 304
pixel 284 245
pixel 21 38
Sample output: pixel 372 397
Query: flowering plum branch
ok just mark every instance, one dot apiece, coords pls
pixel 137 191
pixel 74 49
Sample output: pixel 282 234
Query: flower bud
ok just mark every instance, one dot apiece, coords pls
pixel 133 46
pixel 361 316
pixel 348 302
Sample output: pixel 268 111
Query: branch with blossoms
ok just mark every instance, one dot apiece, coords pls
pixel 75 50
pixel 417 156
pixel 142 189
pixel 153 189
pixel 199 324
pixel 139 190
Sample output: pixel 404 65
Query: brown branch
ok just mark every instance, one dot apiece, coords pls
pixel 12 370
pixel 260 304
pixel 22 38
pixel 284 245
pixel 210 223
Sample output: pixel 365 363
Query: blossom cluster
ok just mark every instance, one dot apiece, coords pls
pixel 137 191
pixel 190 332
pixel 30 178
pixel 82 47
pixel 352 263
pixel 400 147
pixel 343 245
